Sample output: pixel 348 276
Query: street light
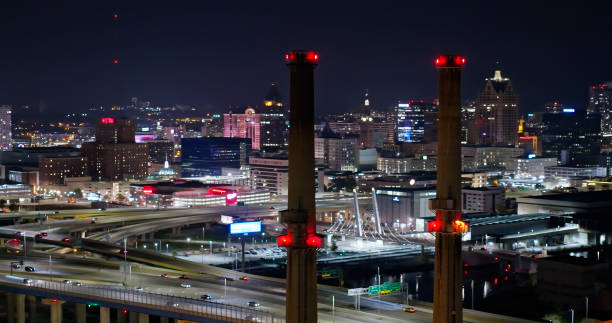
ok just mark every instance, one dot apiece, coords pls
pixel 188 243
pixel 155 246
pixel 210 242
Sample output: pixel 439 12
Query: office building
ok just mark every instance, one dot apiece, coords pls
pixel 414 118
pixel 6 136
pixel 338 152
pixel 496 117
pixel 270 173
pixel 54 170
pixel 207 156
pixel 566 172
pixel 400 207
pixel 482 199
pixel 572 136
pixel 115 155
pixel 274 123
pixel 489 156
pixel 531 166
pixel 246 125
pixel 600 102
pixel 400 164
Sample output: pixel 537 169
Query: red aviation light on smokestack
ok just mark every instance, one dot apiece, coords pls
pixel 449 61
pixel 284 241
pixel 314 241
pixel 302 57
pixel 434 226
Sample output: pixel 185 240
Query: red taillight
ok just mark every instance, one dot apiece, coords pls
pixel 284 241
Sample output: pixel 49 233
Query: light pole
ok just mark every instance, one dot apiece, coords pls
pixel 572 311
pixel 203 228
pixel 586 312
pixel 210 242
pixel 472 287
pixel 167 250
pixel 156 244
pixel 202 252
pixel 188 243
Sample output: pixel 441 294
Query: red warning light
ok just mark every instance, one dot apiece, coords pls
pixel 115 16
pixel 312 56
pixel 506 277
pixel 460 226
pixel 124 311
pixel 115 61
pixel 284 241
pixel 434 226
pixel 54 300
pixel 495 281
pixel 459 61
pixel 441 61
pixel 313 241
pixel 107 120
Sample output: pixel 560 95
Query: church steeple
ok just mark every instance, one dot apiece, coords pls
pixel 366 110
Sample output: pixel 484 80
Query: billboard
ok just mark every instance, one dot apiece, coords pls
pixel 245 227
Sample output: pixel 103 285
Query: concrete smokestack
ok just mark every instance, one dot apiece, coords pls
pixel 447 204
pixel 301 239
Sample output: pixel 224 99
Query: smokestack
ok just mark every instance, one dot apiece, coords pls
pixel 301 239
pixel 447 204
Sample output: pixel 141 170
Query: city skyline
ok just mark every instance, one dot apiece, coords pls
pixel 62 58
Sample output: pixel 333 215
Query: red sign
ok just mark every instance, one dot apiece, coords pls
pixel 148 189
pixel 107 120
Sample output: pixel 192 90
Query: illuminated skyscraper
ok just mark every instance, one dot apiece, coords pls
pixel 496 119
pixel 274 128
pixel 246 125
pixel 6 137
pixel 600 101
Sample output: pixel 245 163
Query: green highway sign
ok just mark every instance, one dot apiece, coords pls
pixel 385 288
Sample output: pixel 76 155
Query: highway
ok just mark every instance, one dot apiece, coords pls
pixel 204 279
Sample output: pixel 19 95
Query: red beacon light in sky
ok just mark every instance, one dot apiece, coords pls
pixel 302 56
pixel 449 61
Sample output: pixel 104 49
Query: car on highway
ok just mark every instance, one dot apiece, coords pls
pixel 409 309
pixel 67 240
pixel 67 281
pixel 164 275
pixel 172 304
pixel 254 304
pixel 29 268
pixel 185 285
pixel 44 234
pixel 206 297
pixel 16 265
pixel 244 278
pixel 183 276
pixel 27 281
pixel 251 318
pixel 139 289
pixel 78 284
pixel 39 236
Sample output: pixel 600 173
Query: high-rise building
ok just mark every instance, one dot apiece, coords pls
pixel 270 173
pixel 246 125
pixel 160 151
pixel 338 152
pixel 274 125
pixel 6 137
pixel 573 137
pixel 115 155
pixel 414 118
pixel 366 108
pixel 600 101
pixel 207 156
pixel 496 117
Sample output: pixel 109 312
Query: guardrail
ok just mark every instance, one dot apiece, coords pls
pixel 122 298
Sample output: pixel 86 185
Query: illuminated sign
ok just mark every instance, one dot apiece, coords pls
pixel 226 219
pixel 148 189
pixel 569 110
pixel 530 156
pixel 403 105
pixel 245 227
pixel 107 120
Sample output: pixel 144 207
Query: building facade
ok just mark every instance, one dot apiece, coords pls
pixel 416 121
pixel 160 150
pixel 483 199
pixel 6 133
pixel 115 155
pixel 274 123
pixel 207 156
pixel 572 136
pixel 270 173
pixel 531 167
pixel 53 170
pixel 246 125
pixel 600 102
pixel 496 116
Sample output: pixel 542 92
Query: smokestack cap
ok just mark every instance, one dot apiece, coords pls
pixel 449 61
pixel 302 57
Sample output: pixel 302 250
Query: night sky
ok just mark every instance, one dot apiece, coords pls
pixel 58 54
